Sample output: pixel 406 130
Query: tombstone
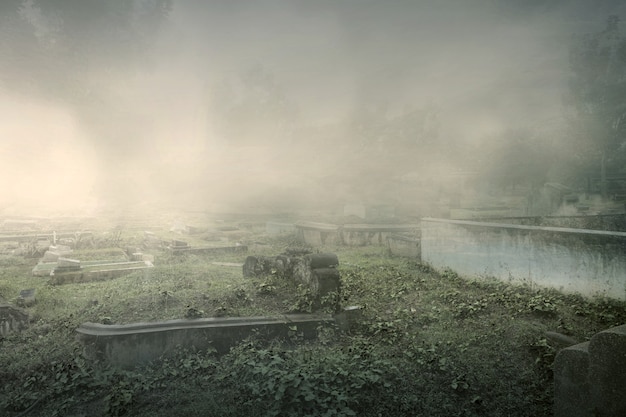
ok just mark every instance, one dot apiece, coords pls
pixel 55 252
pixel 50 256
pixel 26 297
pixel 179 244
pixel 68 264
pixel 12 319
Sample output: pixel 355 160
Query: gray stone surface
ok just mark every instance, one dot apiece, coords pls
pixel 27 297
pixel 571 383
pixel 67 263
pixel 134 344
pixel 590 377
pixel 607 372
pixel 12 319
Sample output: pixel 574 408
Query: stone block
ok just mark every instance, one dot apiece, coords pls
pixel 50 256
pixel 607 372
pixel 348 318
pixel 12 319
pixel 571 383
pixel 322 260
pixel 325 281
pixel 67 263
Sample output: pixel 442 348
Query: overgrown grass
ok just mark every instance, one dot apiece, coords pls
pixel 430 343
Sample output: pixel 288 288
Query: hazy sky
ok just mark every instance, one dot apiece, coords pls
pixel 486 65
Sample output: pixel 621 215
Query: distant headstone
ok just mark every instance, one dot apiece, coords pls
pixel 27 297
pixel 50 256
pixel 67 263
pixel 12 319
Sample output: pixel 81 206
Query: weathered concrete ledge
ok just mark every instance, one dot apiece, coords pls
pixel 139 343
pixel 372 234
pixel 586 262
pixel 317 234
pixel 198 250
pixel 589 378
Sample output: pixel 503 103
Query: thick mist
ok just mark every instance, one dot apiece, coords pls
pixel 275 104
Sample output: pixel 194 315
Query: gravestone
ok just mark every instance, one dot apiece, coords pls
pixel 68 264
pixel 12 319
pixel 27 297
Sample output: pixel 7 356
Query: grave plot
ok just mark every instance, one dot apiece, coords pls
pixel 139 343
pixel 87 265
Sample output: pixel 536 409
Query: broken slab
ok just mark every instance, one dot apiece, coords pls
pixel 130 345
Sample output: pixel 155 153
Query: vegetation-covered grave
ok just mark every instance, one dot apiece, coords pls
pixel 429 344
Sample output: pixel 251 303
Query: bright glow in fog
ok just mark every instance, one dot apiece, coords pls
pixel 44 163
